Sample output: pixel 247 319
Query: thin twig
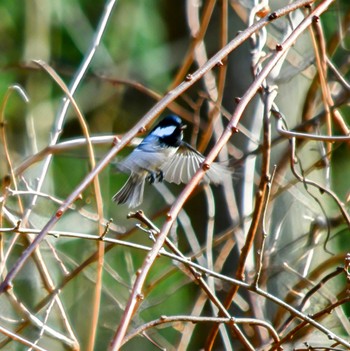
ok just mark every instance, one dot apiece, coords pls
pixel 150 116
pixel 326 311
pixel 196 276
pixel 321 188
pixel 320 55
pixel 316 288
pixel 195 319
pixel 197 39
pixel 216 275
pixel 260 206
pixel 134 298
pixel 307 136
pixel 62 147
pixel 96 183
pixel 260 253
pixel 20 339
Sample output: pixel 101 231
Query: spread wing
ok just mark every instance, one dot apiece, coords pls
pixel 181 167
pixel 149 156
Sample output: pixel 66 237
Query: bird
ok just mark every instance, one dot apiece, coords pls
pixel 163 155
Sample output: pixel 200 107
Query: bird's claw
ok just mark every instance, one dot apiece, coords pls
pixel 155 176
pixel 160 176
pixel 151 178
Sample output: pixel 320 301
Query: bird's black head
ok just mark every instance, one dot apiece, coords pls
pixel 170 130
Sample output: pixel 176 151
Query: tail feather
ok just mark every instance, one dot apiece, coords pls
pixel 132 191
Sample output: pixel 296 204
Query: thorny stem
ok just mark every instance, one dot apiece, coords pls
pixel 200 268
pixel 260 254
pixel 197 38
pixel 192 319
pixel 81 72
pixel 38 259
pixel 196 276
pixel 307 136
pixel 260 205
pixel 320 55
pixel 29 250
pixel 133 302
pixel 133 299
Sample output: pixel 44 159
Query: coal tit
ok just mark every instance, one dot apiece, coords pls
pixel 162 155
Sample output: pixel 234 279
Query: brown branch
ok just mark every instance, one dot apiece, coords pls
pixel 326 311
pixel 194 319
pixel 197 277
pixel 148 118
pixel 134 298
pixel 197 38
pixel 260 205
pixel 214 274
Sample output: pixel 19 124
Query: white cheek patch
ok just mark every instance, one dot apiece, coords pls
pixel 166 131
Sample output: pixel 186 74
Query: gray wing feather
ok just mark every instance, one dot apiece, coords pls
pixel 184 164
pixel 150 155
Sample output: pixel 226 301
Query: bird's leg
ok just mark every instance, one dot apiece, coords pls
pixel 160 176
pixel 151 178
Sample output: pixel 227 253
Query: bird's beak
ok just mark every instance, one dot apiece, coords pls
pixel 183 126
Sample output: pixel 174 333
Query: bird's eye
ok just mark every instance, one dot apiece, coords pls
pixel 164 131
